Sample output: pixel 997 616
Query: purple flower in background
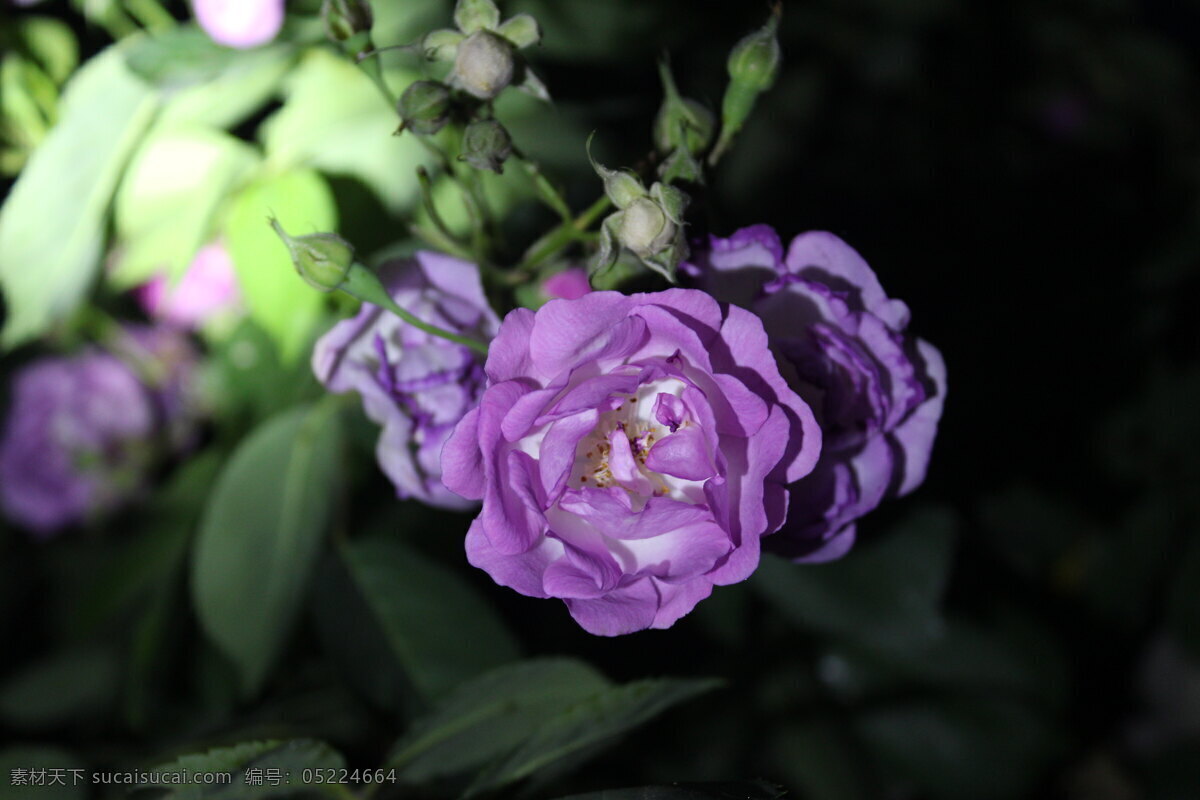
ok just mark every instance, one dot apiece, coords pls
pixel 82 431
pixel 240 23
pixel 877 391
pixel 629 452
pixel 208 288
pixel 416 385
pixel 568 284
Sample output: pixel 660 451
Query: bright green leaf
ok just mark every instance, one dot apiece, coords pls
pixel 52 224
pixel 441 630
pixel 52 44
pixel 165 206
pixel 260 534
pixel 584 726
pixel 278 300
pixel 335 119
pixel 489 716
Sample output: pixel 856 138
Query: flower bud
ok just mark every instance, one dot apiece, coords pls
pixel 425 107
pixel 486 145
pixel 683 122
pixel 345 18
pixel 754 61
pixel 322 259
pixel 484 65
pixel 644 228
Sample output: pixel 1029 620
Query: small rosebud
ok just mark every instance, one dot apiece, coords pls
pixel 345 18
pixel 425 107
pixel 645 228
pixel 754 61
pixel 681 122
pixel 486 145
pixel 322 259
pixel 484 65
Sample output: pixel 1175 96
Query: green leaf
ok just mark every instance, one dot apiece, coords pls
pixel 260 534
pixel 278 300
pixel 740 790
pixel 584 726
pixel 165 207
pixel 61 688
pixel 487 717
pixel 248 81
pixel 441 630
pixel 883 594
pixel 335 119
pixel 52 224
pixel 57 763
pixel 182 56
pixel 246 765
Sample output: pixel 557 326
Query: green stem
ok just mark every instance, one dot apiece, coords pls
pixel 431 209
pixel 364 284
pixel 547 192
pixel 562 236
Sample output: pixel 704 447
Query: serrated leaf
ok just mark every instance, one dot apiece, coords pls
pixel 596 721
pixel 278 300
pixel 52 224
pixel 883 594
pixel 334 119
pixel 166 204
pixel 441 630
pixel 487 717
pixel 260 534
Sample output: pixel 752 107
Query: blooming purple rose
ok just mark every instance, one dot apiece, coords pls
pixel 240 23
pixel 629 452
pixel 208 288
pixel 416 385
pixel 877 391
pixel 82 431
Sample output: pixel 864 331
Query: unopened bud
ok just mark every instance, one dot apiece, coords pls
pixel 322 259
pixel 425 107
pixel 754 61
pixel 486 145
pixel 476 15
pixel 685 123
pixel 484 64
pixel 345 18
pixel 644 228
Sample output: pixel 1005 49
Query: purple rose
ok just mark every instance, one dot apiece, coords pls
pixel 83 431
pixel 240 23
pixel 629 452
pixel 416 385
pixel 208 288
pixel 877 391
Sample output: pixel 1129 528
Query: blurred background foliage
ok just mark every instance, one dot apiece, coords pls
pixel 1024 174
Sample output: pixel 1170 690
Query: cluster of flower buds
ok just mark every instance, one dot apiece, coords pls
pixel 484 50
pixel 648 223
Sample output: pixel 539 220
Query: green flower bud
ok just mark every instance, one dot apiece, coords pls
pixel 683 123
pixel 486 145
pixel 476 15
pixel 322 259
pixel 754 62
pixel 425 107
pixel 345 18
pixel 484 65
